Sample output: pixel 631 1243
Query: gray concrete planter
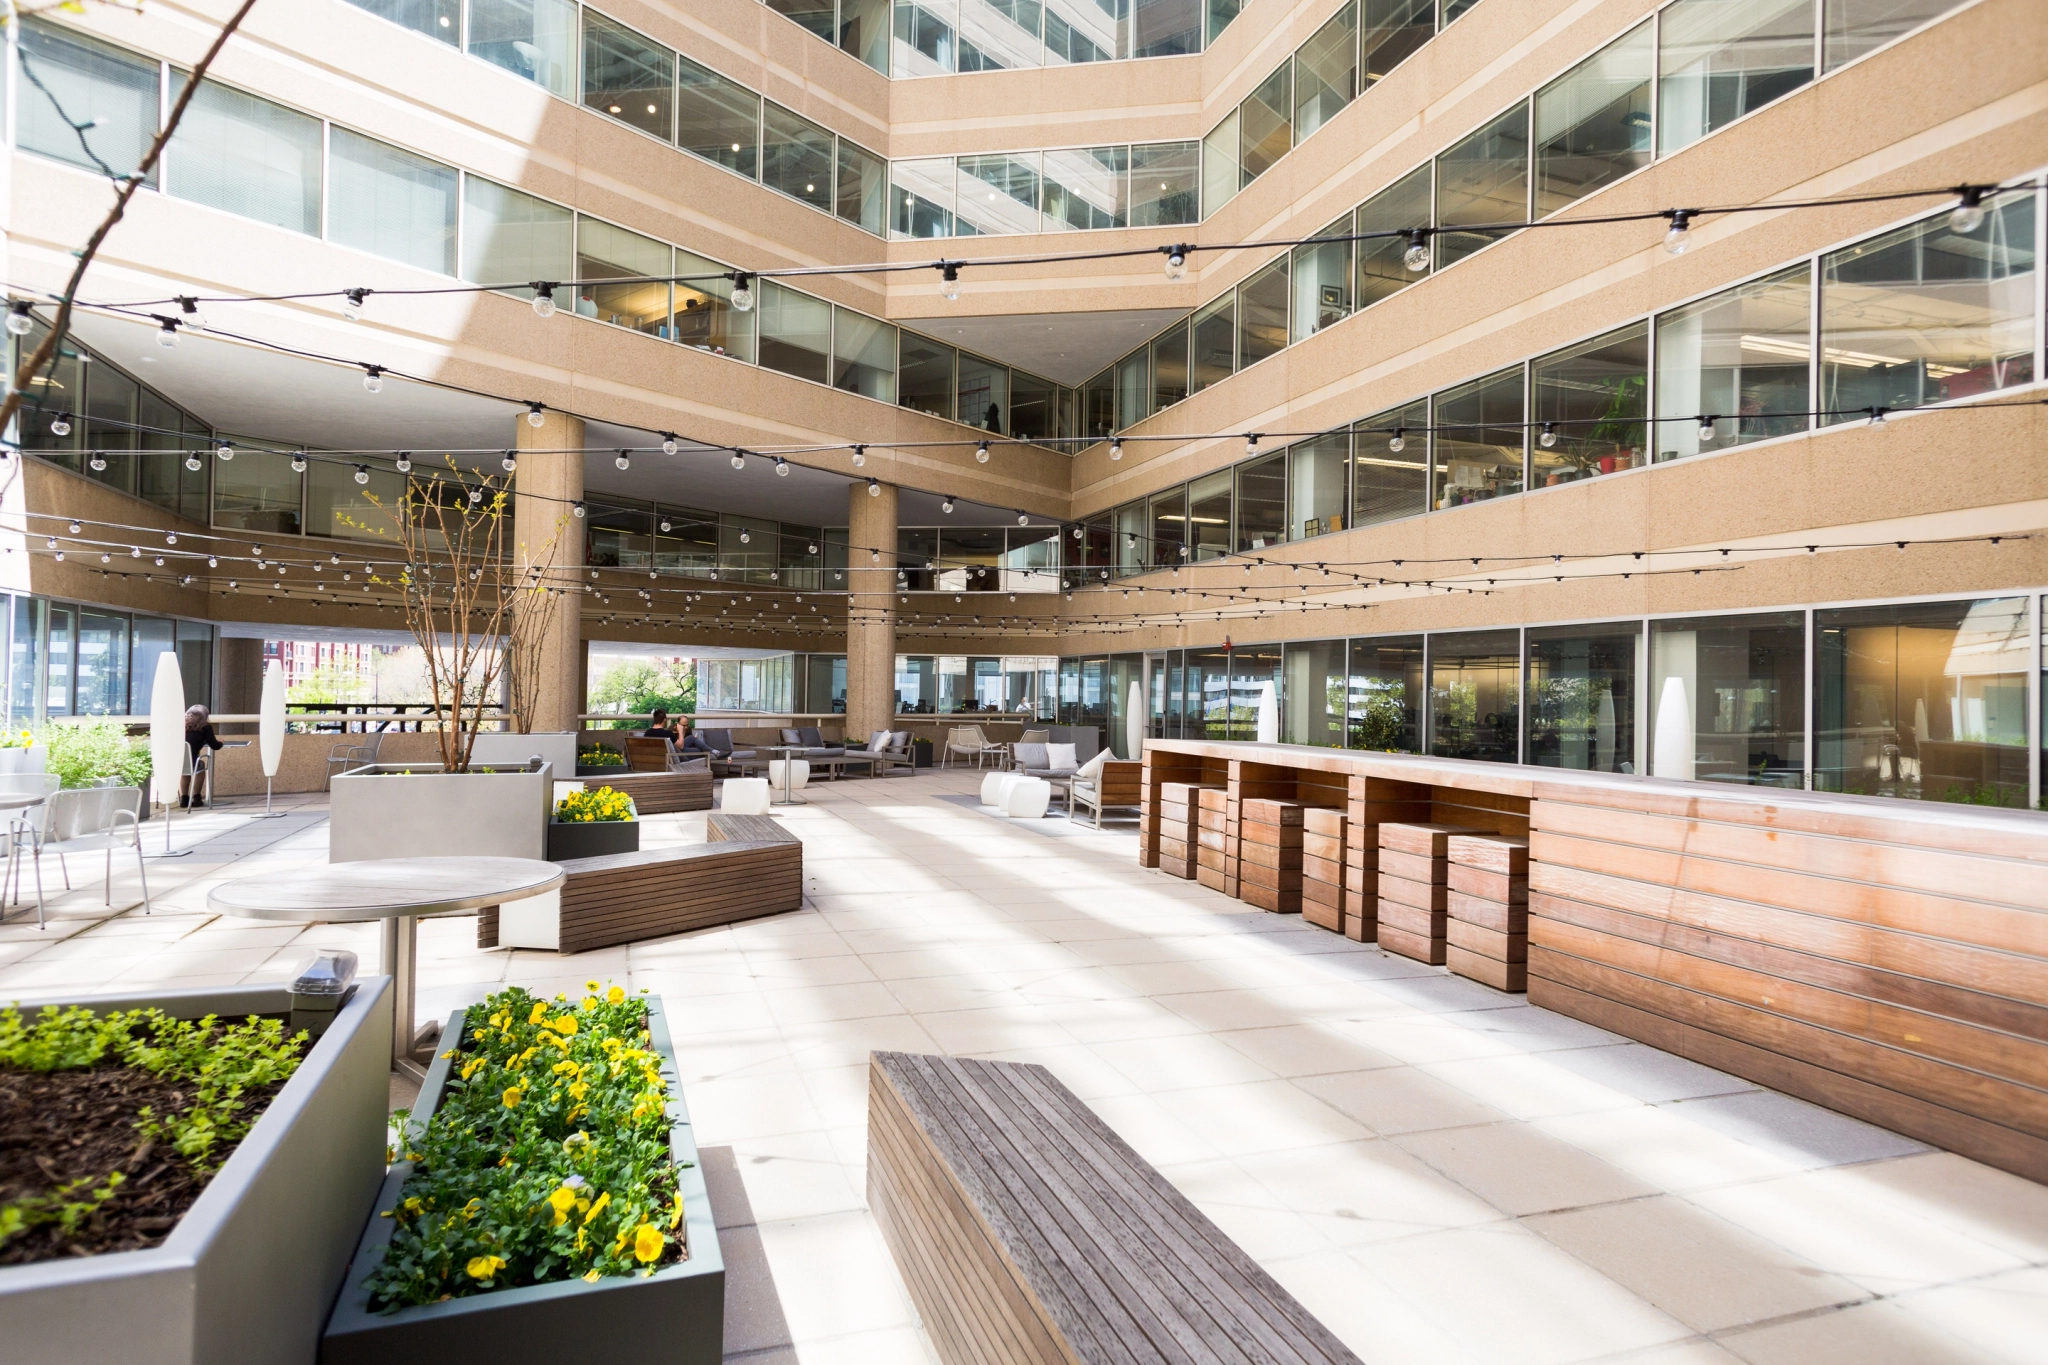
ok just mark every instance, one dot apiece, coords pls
pixel 251 1270
pixel 399 810
pixel 676 1315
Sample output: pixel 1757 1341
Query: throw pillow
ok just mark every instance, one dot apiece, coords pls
pixel 792 736
pixel 1092 769
pixel 879 740
pixel 1030 755
pixel 1060 758
pixel 900 739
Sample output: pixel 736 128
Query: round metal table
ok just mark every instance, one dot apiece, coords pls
pixel 398 891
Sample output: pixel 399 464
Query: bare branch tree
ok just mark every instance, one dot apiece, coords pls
pixel 125 188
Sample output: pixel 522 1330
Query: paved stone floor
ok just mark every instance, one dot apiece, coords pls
pixel 1442 1173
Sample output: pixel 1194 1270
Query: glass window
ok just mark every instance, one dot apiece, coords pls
pixel 1454 8
pixel 1170 366
pixel 1593 123
pixel 984 393
pixel 1213 348
pixel 926 43
pixel 390 203
pixel 102 664
pixel 921 197
pixel 863 355
pixel 1719 59
pixel 686 541
pixel 924 383
pixel 1316 485
pixel 1582 698
pixel 1207 688
pixel 57 683
pixel 1740 358
pixel 970 558
pixel 1400 207
pixel 1384 695
pixel 704 316
pixel 1484 179
pixel 1851 28
pixel 507 235
pixel 1033 406
pixel 998 35
pixel 864 31
pixel 1322 281
pixel 862 188
pixel 110 398
pixel 1169 517
pixel 1166 183
pixel 1391 31
pixel 1475 686
pixel 152 638
pixel 1926 313
pixel 256 491
pixel 336 505
pixel 246 156
pixel 813 15
pixel 604 252
pixel 1478 439
pixel 195 660
pixel 1390 465
pixel 1087 188
pixel 1220 13
pixel 1209 515
pixel 628 77
pixel 160 475
pixel 1031 559
pixel 1262 502
pixel 60 388
pixel 1082 30
pixel 1133 538
pixel 531 38
pixel 435 18
pixel 1313 712
pixel 1326 72
pixel 1165 28
pixel 24 660
pixel 796 333
pixel 1262 314
pixel 1133 389
pixel 1728 699
pixel 998 194
pixel 1255 684
pixel 1590 403
pixel 112 90
pixel 718 119
pixel 796 157
pixel 1265 126
pixel 1220 182
pixel 1926 701
pixel 1099 403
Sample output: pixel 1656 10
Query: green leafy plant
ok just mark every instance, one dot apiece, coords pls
pixel 83 752
pixel 546 1159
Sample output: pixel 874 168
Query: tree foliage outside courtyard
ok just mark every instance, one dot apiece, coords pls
pixel 635 687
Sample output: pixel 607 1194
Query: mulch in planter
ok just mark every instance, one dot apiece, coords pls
pixel 61 1126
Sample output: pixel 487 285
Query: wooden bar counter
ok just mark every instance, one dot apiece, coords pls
pixel 1888 959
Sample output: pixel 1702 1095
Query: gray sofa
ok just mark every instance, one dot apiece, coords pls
pixel 887 757
pixel 813 740
pixel 723 755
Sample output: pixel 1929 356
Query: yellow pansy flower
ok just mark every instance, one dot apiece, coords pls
pixel 484 1267
pixel 592 1276
pixel 564 1024
pixel 590 985
pixel 598 1207
pixel 647 1243
pixel 617 995
pixel 513 1094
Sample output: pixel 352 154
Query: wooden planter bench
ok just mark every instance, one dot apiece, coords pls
pixel 1030 1234
pixel 659 793
pixel 751 867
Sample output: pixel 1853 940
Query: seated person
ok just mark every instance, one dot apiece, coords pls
pixel 692 742
pixel 658 727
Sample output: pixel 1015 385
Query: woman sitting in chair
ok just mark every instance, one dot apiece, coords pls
pixel 199 738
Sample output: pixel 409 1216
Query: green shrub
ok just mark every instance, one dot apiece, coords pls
pixel 85 751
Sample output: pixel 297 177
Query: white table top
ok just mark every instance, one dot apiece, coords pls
pixel 386 888
pixel 21 800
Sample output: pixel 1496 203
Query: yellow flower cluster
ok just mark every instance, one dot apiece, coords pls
pixel 16 739
pixel 584 807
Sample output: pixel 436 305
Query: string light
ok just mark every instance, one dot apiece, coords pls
pixel 362 474
pixel 1707 427
pixel 1549 436
pixel 373 378
pixel 1116 448
pixel 60 424
pixel 949 281
pixel 188 309
pixel 981 453
pixel 224 452
pixel 622 461
pixel 352 304
pixel 860 456
pixel 167 332
pixel 1176 261
pixel 405 462
pixel 509 462
pixel 874 489
pixel 1398 441
pixel 97 461
pixel 1967 216
pixel 739 459
pixel 543 299
pixel 577 508
pixel 1251 444
pixel 533 414
pixel 781 467
pixel 668 443
pixel 20 324
pixel 298 462
pixel 1416 257
pixel 946 504
pixel 1678 239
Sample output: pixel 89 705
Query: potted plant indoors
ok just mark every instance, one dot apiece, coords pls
pixel 589 824
pixel 547 1203
pixel 478 606
pixel 207 1210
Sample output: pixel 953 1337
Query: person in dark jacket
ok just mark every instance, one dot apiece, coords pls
pixel 199 737
pixel 658 727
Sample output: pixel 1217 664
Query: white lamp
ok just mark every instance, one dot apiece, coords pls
pixel 270 731
pixel 1269 714
pixel 167 738
pixel 1134 722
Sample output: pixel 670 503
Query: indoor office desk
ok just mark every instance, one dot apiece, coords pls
pixel 400 892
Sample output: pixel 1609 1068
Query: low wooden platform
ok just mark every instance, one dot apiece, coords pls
pixel 659 793
pixel 1030 1234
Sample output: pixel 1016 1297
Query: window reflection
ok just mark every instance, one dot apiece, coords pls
pixel 1265 124
pixel 863 355
pixel 1262 502
pixel 796 333
pixel 1478 440
pixel 1314 698
pixel 1213 347
pixel 1582 698
pixel 984 394
pixel 704 315
pixel 1392 30
pixel 862 188
pixel 1317 485
pixel 718 119
pixel 531 38
pixel 1589 409
pixel 1728 699
pixel 1170 366
pixel 1322 281
pixel 1326 72
pixel 1481 180
pixel 1165 184
pixel 1593 124
pixel 796 157
pixel 1209 516
pixel 1384 694
pixel 1400 207
pixel 606 252
pixel 921 197
pixel 627 77
pixel 998 194
pixel 1262 314
pixel 1389 483
pixel 1475 684
pixel 924 380
pixel 1740 358
pixel 507 235
pixel 1087 188
pixel 1719 59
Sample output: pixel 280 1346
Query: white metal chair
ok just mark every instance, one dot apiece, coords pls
pixel 92 820
pixel 349 757
pixel 26 826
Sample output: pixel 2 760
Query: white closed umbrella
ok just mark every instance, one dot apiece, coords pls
pixel 1134 722
pixel 167 736
pixel 270 730
pixel 1671 751
pixel 1269 714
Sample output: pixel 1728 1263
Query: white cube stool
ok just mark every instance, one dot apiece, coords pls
pixel 799 774
pixel 992 788
pixel 1027 797
pixel 745 796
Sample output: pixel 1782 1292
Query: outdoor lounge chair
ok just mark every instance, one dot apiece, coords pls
pixel 969 742
pixel 725 759
pixel 888 749
pixel 1106 784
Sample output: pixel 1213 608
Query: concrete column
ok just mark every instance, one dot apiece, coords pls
pixel 241 678
pixel 546 531
pixel 870 610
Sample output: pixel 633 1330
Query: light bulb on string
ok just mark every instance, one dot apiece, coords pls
pixel 664 525
pixel 166 337
pixel 20 324
pixel 981 452
pixel 224 451
pixel 476 495
pixel 1965 218
pixel 622 460
pixel 577 508
pixel 946 505
pixel 192 462
pixel 949 281
pixel 1877 422
pixel 1251 444
pixel 874 489
pixel 188 309
pixel 1678 238
pixel 1416 257
pixel 739 459
pixel 1707 428
pixel 97 461
pixel 1077 533
pixel 668 443
pixel 1549 436
pixel 373 378
pixel 60 425
pixel 509 462
pixel 405 462
pixel 781 468
pixel 742 291
pixel 1176 261
pixel 362 473
pixel 534 414
pixel 746 537
pixel 860 456
pixel 543 299
pixel 352 304
pixel 1116 448
pixel 298 462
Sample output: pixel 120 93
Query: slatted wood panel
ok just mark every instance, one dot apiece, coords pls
pixel 1486 920
pixel 1215 840
pixel 1028 1233
pixel 1413 894
pixel 1893 966
pixel 1323 835
pixel 1269 854
pixel 660 793
pixel 1159 768
pixel 750 829
pixel 628 897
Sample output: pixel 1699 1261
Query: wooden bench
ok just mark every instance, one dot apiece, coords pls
pixel 626 897
pixel 660 793
pixel 1030 1234
pixel 721 828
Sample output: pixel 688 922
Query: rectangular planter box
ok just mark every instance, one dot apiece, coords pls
pixel 579 839
pixel 602 770
pixel 676 1315
pixel 415 810
pixel 251 1270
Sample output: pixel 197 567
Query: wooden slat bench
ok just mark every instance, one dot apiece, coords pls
pixel 746 829
pixel 660 793
pixel 1031 1234
pixel 627 897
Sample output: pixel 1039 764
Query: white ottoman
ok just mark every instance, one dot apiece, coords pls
pixel 745 796
pixel 1027 797
pixel 992 788
pixel 799 776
